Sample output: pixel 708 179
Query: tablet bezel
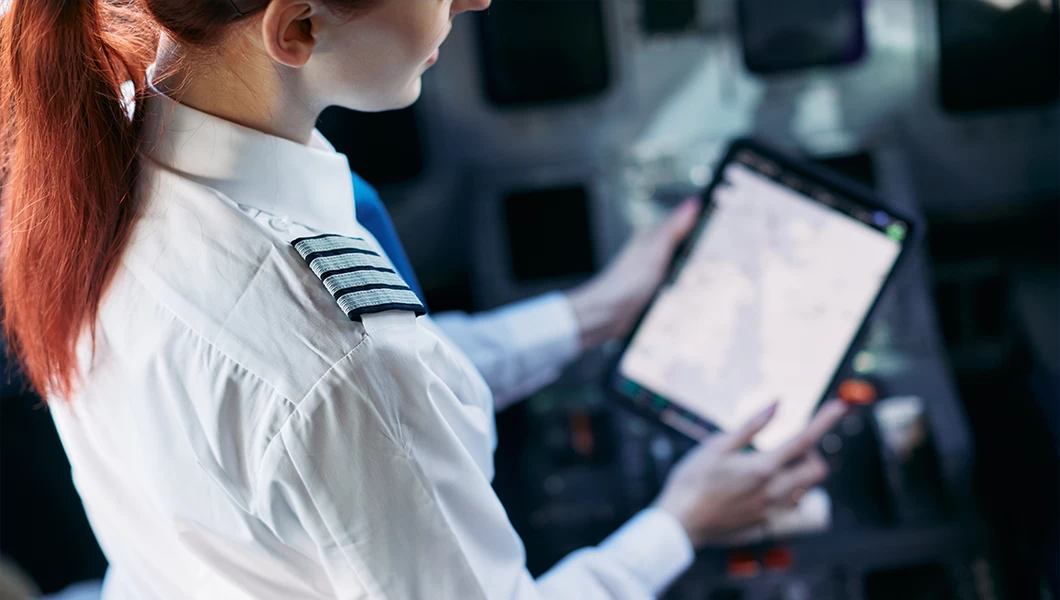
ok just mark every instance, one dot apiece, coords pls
pixel 684 421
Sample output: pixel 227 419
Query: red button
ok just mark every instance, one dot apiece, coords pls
pixel 777 559
pixel 857 391
pixel 581 430
pixel 742 564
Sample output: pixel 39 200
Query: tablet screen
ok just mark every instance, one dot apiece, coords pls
pixel 765 303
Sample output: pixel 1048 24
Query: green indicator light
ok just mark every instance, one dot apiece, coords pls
pixel 630 388
pixel 659 402
pixel 896 231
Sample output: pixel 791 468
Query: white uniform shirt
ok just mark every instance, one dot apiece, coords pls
pixel 235 435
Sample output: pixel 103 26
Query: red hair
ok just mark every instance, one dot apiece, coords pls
pixel 69 150
pixel 70 147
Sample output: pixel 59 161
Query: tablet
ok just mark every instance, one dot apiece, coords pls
pixel 765 299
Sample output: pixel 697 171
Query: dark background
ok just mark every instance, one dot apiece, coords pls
pixel 538 83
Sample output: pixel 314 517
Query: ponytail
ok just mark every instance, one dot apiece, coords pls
pixel 69 144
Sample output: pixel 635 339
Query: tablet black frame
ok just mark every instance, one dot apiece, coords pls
pixel 671 414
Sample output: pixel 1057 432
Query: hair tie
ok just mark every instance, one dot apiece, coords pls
pixel 241 12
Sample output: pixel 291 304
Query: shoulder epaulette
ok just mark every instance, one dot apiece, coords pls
pixel 362 281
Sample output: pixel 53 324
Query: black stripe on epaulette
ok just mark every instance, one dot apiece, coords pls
pixel 367 288
pixel 338 252
pixel 334 272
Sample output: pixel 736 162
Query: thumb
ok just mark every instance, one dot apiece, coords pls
pixel 680 223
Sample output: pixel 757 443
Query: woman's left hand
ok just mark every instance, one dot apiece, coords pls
pixel 608 305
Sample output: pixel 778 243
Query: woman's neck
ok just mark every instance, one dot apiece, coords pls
pixel 251 91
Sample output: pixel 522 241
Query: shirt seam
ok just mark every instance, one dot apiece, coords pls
pixel 286 453
pixel 205 339
pixel 297 410
pixel 399 436
pixel 291 406
pixel 312 389
pixel 423 481
pixel 396 437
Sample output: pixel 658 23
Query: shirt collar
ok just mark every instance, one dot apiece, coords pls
pixel 310 184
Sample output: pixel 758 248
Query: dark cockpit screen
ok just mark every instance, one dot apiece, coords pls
pixel 785 35
pixel 998 54
pixel 544 51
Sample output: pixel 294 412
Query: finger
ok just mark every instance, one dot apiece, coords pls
pixel 789 485
pixel 743 436
pixel 823 422
pixel 680 223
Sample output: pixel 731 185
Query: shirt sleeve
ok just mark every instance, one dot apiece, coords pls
pixel 519 349
pixel 384 471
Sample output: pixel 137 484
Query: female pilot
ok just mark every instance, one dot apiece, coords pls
pixel 250 395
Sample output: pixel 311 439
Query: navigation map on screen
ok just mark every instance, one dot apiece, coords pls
pixel 766 303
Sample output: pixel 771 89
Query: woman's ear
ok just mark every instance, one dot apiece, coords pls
pixel 288 31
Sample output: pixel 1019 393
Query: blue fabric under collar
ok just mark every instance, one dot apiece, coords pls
pixel 373 216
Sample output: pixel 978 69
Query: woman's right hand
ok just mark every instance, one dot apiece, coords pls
pixel 718 488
